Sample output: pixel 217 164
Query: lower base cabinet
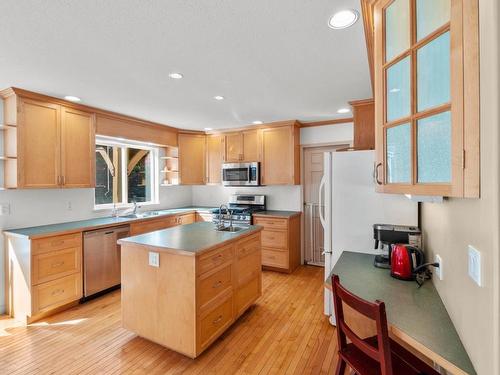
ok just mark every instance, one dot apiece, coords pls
pixel 191 299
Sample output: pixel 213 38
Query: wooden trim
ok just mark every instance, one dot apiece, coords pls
pixel 359 102
pixel 326 122
pixel 369 27
pixel 254 127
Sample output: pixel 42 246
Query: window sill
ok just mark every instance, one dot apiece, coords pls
pixel 109 207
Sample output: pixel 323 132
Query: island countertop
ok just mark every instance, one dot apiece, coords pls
pixel 191 239
pixel 415 315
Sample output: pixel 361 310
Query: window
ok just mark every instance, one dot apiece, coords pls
pixel 125 173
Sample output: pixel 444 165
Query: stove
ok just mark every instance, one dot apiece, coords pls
pixel 241 207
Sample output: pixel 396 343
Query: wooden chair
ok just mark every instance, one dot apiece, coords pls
pixel 377 355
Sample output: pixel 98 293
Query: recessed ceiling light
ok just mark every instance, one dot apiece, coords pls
pixel 258 122
pixel 175 75
pixel 343 19
pixel 344 110
pixel 208 129
pixel 218 97
pixel 72 98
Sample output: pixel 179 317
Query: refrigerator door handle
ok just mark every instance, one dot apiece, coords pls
pixel 320 201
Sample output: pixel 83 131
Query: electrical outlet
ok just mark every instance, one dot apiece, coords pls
pixel 4 209
pixel 438 270
pixel 154 259
pixel 475 265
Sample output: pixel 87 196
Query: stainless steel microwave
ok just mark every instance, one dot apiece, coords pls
pixel 241 174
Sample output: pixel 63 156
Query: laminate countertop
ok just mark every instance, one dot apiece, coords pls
pixel 191 239
pixel 411 311
pixel 277 213
pixel 96 223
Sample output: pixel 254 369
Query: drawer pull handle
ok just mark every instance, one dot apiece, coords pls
pixel 217 258
pixel 217 284
pixel 216 321
pixel 58 264
pixel 57 291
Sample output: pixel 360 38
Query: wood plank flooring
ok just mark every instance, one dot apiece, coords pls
pixel 284 333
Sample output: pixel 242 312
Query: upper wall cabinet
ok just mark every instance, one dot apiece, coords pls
pixel 280 153
pixel 215 156
pixel 47 145
pixel 191 159
pixel 427 129
pixel 242 146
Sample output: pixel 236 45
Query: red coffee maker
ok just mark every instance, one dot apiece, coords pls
pixel 404 260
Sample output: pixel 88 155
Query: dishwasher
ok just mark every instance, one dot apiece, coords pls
pixel 101 259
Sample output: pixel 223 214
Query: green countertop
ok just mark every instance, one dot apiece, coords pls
pixel 418 312
pixel 191 238
pixel 277 213
pixel 53 229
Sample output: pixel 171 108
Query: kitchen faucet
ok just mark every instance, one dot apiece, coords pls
pixel 221 225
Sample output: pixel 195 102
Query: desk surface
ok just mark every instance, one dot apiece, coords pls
pixel 416 313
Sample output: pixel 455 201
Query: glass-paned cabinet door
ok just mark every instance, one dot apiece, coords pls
pixel 431 15
pixel 434 149
pixel 397 29
pixel 433 73
pixel 398 157
pixel 398 90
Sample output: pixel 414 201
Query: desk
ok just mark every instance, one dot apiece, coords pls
pixel 416 316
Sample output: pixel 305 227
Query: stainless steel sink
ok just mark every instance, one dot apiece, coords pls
pixel 230 229
pixel 141 215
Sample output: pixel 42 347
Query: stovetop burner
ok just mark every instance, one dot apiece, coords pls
pixel 241 208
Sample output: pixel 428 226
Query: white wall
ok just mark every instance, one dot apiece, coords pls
pixel 338 133
pixel 48 206
pixel 278 197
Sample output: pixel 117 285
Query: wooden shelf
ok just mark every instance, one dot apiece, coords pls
pixel 169 171
pixel 169 157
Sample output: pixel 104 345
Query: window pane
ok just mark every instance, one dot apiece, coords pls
pixel 398 90
pixel 108 188
pixel 399 154
pixel 433 73
pixel 139 175
pixel 397 28
pixel 431 14
pixel 434 148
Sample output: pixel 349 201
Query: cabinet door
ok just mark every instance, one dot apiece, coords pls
pixel 192 159
pixel 234 147
pixel 215 155
pixel 77 148
pixel 250 145
pixel 277 156
pixel 38 144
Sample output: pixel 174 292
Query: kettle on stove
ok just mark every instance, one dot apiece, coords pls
pixel 404 260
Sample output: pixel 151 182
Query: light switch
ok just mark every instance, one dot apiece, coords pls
pixel 154 259
pixel 475 265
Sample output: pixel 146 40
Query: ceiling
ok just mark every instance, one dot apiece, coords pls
pixel 271 60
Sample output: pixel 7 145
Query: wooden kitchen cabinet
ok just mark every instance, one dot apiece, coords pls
pixel 191 159
pixel 280 241
pixel 48 145
pixel 215 157
pixel 250 145
pixel 242 146
pixel 151 225
pixel 234 148
pixel 426 84
pixel 363 112
pixel 280 164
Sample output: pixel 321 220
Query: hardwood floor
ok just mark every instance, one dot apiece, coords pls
pixel 284 333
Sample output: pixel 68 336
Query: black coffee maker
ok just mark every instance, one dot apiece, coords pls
pixel 386 235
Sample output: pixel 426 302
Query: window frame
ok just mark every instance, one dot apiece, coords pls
pixel 155 175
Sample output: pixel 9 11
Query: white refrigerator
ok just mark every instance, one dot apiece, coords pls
pixel 351 207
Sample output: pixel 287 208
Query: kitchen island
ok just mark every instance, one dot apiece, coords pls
pixel 182 287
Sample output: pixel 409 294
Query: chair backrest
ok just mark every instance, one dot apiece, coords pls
pixel 374 311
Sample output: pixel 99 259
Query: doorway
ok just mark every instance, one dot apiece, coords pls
pixel 313 230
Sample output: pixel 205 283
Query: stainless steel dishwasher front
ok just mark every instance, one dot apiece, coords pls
pixel 101 259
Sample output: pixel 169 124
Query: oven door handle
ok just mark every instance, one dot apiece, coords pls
pixel 249 173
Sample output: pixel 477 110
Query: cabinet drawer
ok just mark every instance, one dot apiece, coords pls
pixel 274 238
pixel 55 264
pixel 55 293
pixel 248 246
pixel 248 267
pixel 271 223
pixel 214 284
pixel 247 294
pixel 216 321
pixel 274 258
pixel 56 243
pixel 214 259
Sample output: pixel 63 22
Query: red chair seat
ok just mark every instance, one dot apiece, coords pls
pixel 403 361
